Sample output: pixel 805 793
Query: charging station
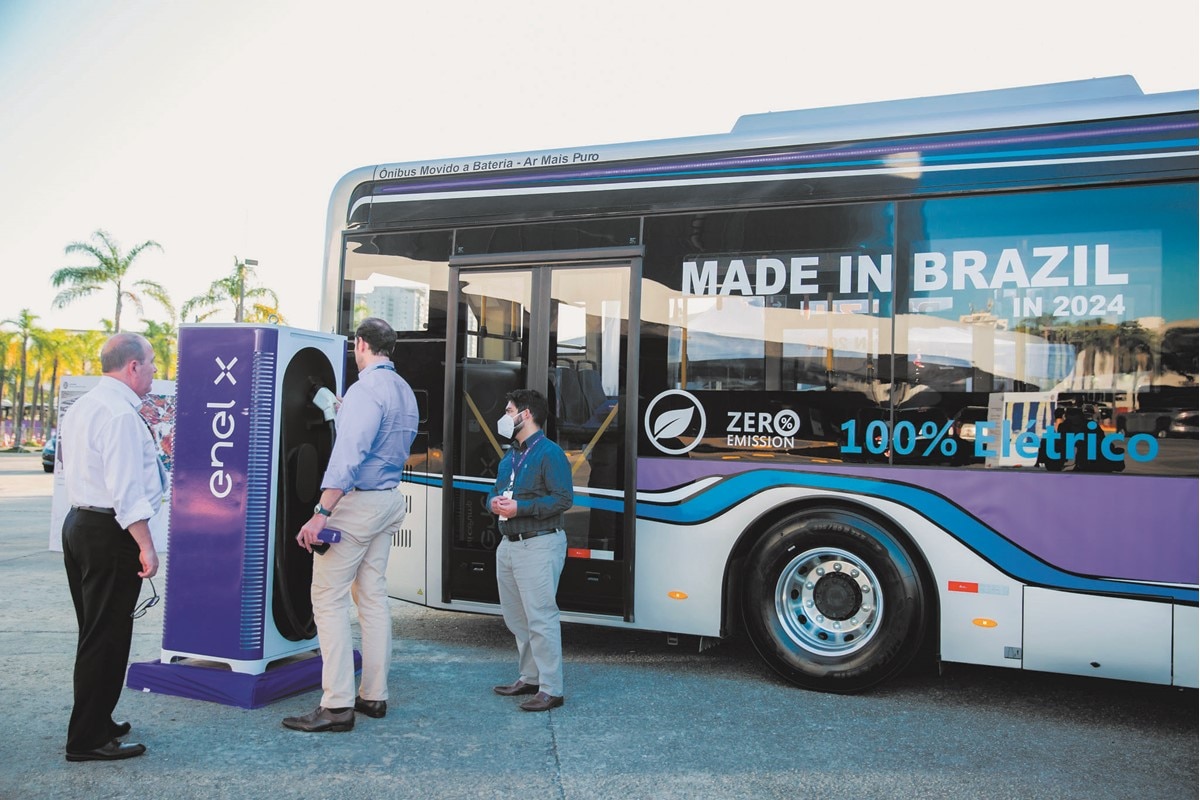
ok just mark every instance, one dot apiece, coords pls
pixel 250 450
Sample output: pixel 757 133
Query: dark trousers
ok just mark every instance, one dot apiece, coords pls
pixel 102 570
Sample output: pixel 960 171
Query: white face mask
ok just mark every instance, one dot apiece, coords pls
pixel 506 427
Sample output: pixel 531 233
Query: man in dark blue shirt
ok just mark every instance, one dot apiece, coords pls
pixel 376 425
pixel 533 491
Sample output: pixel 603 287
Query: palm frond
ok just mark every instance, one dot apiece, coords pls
pixel 149 243
pixel 68 296
pixel 79 275
pixel 262 291
pixel 158 293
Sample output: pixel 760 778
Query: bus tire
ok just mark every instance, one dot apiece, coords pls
pixel 833 601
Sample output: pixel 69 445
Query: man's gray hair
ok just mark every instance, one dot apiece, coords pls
pixel 120 349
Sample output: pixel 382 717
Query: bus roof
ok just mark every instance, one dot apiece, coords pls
pixel 1071 101
pixel 1058 102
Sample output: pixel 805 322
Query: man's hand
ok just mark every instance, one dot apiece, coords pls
pixel 307 536
pixel 504 507
pixel 147 555
pixel 149 559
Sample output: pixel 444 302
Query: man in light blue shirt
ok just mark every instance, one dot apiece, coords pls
pixel 376 425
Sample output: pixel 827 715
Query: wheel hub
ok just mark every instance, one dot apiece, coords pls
pixel 837 596
pixel 828 601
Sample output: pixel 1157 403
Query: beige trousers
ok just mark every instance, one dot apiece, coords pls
pixel 527 574
pixel 356 566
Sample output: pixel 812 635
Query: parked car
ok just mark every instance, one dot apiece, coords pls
pixel 49 451
pixel 1184 425
pixel 964 432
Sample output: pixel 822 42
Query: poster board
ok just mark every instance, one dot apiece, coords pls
pixel 158 409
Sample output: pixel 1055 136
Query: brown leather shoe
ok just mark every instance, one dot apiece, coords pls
pixel 112 751
pixel 322 720
pixel 514 689
pixel 542 702
pixel 372 708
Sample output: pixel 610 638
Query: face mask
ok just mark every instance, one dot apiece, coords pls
pixel 506 427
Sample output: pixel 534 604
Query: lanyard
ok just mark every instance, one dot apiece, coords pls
pixel 512 485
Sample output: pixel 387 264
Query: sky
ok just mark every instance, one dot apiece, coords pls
pixel 218 128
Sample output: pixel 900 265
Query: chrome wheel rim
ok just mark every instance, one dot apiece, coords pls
pixel 828 601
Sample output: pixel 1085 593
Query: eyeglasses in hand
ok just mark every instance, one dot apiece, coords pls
pixel 150 602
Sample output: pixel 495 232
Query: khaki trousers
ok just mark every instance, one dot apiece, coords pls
pixel 527 574
pixel 356 566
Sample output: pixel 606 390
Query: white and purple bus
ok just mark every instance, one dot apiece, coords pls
pixel 863 383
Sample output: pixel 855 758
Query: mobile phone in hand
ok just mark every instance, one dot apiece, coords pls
pixel 327 537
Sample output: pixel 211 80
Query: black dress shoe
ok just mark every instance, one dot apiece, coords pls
pixel 542 702
pixel 372 708
pixel 514 689
pixel 112 751
pixel 334 720
pixel 120 729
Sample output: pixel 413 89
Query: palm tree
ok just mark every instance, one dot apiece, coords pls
pixel 25 330
pixel 162 337
pixel 82 352
pixel 110 269
pixel 50 346
pixel 233 288
pixel 5 343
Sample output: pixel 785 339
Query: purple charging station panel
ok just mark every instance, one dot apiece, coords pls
pixel 220 503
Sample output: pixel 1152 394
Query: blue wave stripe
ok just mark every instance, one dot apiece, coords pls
pixel 484 485
pixel 985 541
pixel 990 545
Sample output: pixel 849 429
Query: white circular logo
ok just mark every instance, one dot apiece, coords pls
pixel 787 422
pixel 675 416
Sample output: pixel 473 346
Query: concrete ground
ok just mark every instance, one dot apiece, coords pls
pixel 643 719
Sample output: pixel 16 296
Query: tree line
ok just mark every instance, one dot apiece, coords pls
pixel 34 359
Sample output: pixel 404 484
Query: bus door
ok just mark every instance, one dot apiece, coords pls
pixel 563 329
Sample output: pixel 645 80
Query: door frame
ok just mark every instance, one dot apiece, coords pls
pixel 539 365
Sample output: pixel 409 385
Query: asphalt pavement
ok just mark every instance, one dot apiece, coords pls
pixel 643 718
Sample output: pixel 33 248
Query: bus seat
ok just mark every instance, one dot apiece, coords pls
pixel 593 391
pixel 572 406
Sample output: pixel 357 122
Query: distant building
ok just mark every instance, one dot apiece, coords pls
pixel 404 308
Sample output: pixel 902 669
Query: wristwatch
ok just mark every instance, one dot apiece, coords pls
pixel 324 512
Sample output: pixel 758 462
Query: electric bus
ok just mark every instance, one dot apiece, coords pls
pixel 844 381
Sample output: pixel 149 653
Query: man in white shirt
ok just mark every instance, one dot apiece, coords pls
pixel 115 484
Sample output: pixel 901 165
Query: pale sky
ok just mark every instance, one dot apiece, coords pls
pixel 218 128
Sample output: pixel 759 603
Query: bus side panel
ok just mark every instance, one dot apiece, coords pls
pixel 1104 637
pixel 1186 661
pixel 979 607
pixel 418 360
pixel 690 561
pixel 407 562
pixel 985 615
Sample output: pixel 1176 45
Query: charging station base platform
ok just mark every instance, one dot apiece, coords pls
pixel 217 684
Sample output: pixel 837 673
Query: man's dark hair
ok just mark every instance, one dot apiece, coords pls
pixel 531 401
pixel 378 335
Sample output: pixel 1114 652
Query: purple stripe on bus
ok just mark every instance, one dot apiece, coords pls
pixel 1112 515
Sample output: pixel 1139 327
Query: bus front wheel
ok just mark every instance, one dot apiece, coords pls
pixel 834 601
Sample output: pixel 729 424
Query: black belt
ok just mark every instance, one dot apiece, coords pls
pixel 97 510
pixel 519 537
